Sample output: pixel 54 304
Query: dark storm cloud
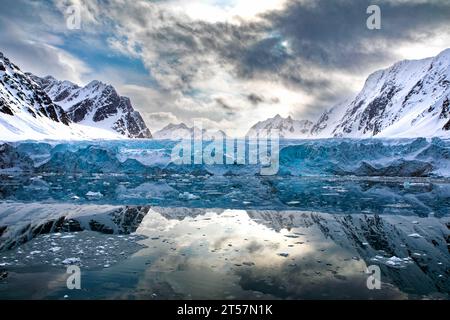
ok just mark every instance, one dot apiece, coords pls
pixel 255 99
pixel 334 34
pixel 224 105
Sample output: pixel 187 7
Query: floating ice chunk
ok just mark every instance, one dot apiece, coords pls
pixel 71 261
pixel 55 249
pixel 415 235
pixel 293 202
pixel 188 196
pixel 394 262
pixel 94 195
pixel 68 237
pixel 35 252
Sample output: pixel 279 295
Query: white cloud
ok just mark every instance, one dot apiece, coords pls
pixel 37 52
pixel 224 11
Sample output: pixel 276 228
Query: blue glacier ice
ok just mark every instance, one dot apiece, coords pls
pixel 334 175
pixel 329 157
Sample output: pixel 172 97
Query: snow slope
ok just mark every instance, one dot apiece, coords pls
pixel 409 99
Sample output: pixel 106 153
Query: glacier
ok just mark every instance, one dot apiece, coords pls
pixel 419 157
pixel 335 175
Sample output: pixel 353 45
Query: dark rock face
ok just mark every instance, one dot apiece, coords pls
pixel 447 126
pixel 445 114
pixel 370 121
pixel 4 108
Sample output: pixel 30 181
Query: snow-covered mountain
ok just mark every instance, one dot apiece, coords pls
pixel 409 99
pixel 28 112
pixel 97 104
pixel 288 127
pixel 182 131
pixel 24 107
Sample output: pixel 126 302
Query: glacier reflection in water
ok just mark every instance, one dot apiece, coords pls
pixel 143 252
pixel 377 195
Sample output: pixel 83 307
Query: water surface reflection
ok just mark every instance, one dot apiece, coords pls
pixel 166 253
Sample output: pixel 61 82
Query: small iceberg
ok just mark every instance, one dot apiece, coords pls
pixel 70 261
pixel 94 195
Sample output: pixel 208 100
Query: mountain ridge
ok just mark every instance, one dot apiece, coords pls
pixel 34 108
pixel 182 131
pixel 406 100
pixel 96 103
pixel 287 127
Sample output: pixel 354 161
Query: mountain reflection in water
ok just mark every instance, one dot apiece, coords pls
pixel 145 252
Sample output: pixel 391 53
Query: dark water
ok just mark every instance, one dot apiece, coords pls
pixel 186 253
pixel 386 195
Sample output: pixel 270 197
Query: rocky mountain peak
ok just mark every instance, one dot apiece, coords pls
pixel 97 104
pixel 404 100
pixel 287 127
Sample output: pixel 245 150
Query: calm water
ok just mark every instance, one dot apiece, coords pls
pixel 187 253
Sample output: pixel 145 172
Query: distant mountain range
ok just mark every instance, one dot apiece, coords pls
pixel 288 128
pixel 45 108
pixel 409 99
pixel 182 131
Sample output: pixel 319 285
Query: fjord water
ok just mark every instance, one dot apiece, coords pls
pixel 141 227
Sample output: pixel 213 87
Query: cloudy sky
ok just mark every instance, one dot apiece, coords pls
pixel 227 63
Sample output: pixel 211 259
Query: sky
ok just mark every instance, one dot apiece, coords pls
pixel 224 63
